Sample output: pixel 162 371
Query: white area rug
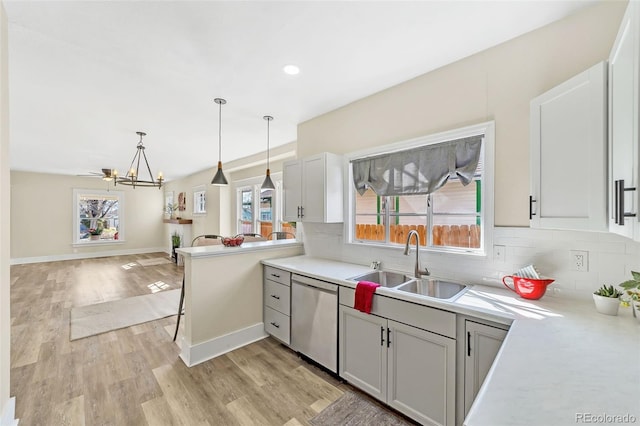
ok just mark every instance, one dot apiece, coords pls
pixel 154 261
pixel 103 317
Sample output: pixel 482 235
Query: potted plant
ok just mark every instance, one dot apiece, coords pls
pixel 175 243
pixel 607 300
pixel 632 290
pixel 95 233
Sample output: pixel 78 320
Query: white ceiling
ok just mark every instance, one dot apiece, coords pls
pixel 86 75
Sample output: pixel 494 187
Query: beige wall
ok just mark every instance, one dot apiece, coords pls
pixel 5 231
pixel 221 214
pixel 496 84
pixel 42 217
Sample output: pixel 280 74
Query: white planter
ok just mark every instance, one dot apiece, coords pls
pixel 636 310
pixel 607 305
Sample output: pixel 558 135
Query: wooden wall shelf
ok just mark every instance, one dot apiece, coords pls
pixel 179 221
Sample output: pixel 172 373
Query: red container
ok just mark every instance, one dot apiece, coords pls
pixel 527 288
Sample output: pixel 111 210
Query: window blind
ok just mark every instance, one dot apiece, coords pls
pixel 420 170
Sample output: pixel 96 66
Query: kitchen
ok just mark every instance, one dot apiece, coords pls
pixel 489 94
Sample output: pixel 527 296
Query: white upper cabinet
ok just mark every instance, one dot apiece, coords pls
pixel 623 126
pixel 313 189
pixel 568 154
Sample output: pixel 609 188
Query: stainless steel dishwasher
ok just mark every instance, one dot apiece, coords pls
pixel 314 320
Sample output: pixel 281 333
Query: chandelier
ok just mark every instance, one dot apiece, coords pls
pixel 133 178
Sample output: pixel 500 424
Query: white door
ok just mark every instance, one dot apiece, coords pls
pixel 568 154
pixel 483 344
pixel 623 125
pixel 363 351
pixel 292 190
pixel 421 374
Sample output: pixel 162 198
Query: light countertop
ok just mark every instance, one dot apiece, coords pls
pixel 221 250
pixel 562 363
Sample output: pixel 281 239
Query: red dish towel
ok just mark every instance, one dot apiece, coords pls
pixel 364 296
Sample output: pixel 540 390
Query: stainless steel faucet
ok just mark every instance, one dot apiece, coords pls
pixel 418 272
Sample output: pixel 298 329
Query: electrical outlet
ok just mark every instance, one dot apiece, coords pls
pixel 499 254
pixel 580 260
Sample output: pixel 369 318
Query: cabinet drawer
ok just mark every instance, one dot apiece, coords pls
pixel 277 324
pixel 424 317
pixel 277 275
pixel 277 296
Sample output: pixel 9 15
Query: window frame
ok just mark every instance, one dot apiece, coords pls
pixel 487 186
pixel 197 211
pixel 254 185
pixel 80 192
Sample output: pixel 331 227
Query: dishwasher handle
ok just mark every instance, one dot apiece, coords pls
pixel 311 282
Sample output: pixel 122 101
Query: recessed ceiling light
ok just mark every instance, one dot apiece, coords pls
pixel 291 69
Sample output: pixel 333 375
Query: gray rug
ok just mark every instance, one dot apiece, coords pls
pixel 154 261
pixel 354 409
pixel 103 317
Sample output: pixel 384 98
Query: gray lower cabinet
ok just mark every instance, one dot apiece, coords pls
pixel 482 346
pixel 277 303
pixel 410 369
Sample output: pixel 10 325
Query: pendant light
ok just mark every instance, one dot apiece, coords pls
pixel 268 183
pixel 219 178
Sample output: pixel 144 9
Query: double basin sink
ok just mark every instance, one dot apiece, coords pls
pixel 429 287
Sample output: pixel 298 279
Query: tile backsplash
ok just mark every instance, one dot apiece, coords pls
pixel 610 257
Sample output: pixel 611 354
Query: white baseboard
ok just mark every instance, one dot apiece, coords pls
pixel 193 355
pixel 8 413
pixel 75 256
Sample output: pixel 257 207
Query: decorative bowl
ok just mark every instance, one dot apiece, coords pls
pixel 233 241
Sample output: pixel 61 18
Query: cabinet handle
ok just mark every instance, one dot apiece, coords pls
pixel 298 211
pixel 381 336
pixel 275 297
pixel 388 337
pixel 468 343
pixel 531 201
pixel 620 214
pixel 301 211
pixel 275 275
pixel 274 324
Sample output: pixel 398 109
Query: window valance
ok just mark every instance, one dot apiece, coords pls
pixel 420 170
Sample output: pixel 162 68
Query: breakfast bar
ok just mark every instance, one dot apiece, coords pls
pixel 223 296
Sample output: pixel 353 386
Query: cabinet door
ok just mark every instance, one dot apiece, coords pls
pixel 568 154
pixel 483 344
pixel 623 125
pixel 313 189
pixel 292 190
pixel 363 351
pixel 421 374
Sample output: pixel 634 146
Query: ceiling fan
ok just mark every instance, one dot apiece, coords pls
pixel 106 174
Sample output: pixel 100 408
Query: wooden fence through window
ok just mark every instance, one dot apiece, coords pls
pixel 443 235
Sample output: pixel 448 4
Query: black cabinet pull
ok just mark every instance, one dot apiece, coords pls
pixel 299 211
pixel 274 324
pixel 619 212
pixel 275 297
pixel 381 336
pixel 468 343
pixel 275 275
pixel 388 337
pixel 531 201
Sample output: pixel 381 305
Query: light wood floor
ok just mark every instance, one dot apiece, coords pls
pixel 134 376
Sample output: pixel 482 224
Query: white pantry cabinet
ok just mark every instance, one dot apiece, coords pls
pixel 411 369
pixel 482 345
pixel 568 143
pixel 313 189
pixel 624 105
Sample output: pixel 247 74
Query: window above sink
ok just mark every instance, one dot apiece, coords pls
pixel 455 217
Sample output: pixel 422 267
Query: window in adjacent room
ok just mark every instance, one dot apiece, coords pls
pixel 437 185
pixel 98 216
pixel 199 200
